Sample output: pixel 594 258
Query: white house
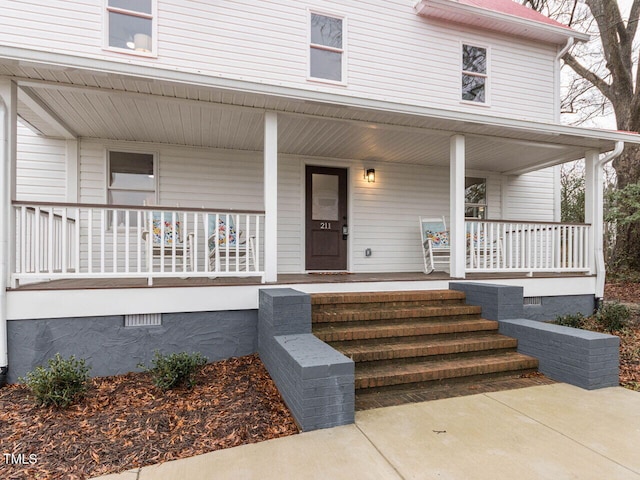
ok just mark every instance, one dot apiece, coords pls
pixel 317 132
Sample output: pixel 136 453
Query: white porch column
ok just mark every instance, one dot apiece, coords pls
pixel 457 237
pixel 270 197
pixel 593 202
pixel 593 214
pixel 8 141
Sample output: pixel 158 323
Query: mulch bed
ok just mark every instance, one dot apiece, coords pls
pixel 125 422
pixel 629 294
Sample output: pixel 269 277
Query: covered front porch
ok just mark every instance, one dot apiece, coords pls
pixel 229 198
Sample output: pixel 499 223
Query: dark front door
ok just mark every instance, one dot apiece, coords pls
pixel 326 218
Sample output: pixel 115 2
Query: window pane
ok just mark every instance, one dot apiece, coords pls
pixel 124 197
pixel 325 64
pixel 324 197
pixel 476 212
pixel 131 170
pixel 326 31
pixel 126 31
pixel 475 190
pixel 143 6
pixel 473 88
pixel 474 59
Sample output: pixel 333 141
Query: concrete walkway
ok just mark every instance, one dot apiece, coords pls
pixel 550 432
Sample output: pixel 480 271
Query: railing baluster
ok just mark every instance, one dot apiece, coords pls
pixel 114 240
pixel 237 246
pixel 102 239
pixel 247 244
pixel 150 245
pixel 226 243
pixel 207 235
pixel 195 242
pixel 174 239
pixel 217 242
pixel 127 233
pixel 50 245
pixel 23 239
pixel 257 246
pixel 90 240
pixel 162 241
pixel 76 230
pixel 36 223
pixel 139 241
pixel 64 242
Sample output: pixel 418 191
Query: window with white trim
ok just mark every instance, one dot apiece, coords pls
pixel 326 49
pixel 130 25
pixel 131 182
pixel 474 74
pixel 475 197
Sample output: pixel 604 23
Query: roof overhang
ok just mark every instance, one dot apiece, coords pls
pixel 71 96
pixel 472 13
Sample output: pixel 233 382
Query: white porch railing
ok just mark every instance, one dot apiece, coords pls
pixel 101 241
pixel 512 246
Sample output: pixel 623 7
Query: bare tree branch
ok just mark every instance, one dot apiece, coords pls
pixel 632 24
pixel 581 70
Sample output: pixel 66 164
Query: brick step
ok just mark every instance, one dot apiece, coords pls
pixel 375 300
pixel 398 348
pixel 429 370
pixel 453 387
pixel 363 315
pixel 407 328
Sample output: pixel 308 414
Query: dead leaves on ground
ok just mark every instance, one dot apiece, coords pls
pixel 125 422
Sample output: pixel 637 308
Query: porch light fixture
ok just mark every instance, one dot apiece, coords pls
pixel 370 175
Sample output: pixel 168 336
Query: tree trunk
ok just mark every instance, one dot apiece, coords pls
pixel 626 255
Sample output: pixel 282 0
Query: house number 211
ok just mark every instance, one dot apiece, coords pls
pixel 325 225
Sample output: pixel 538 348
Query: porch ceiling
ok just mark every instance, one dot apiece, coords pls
pixel 118 107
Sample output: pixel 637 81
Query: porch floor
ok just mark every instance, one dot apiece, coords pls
pixel 283 279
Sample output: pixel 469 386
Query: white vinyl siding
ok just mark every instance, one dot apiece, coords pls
pixel 531 196
pixel 394 54
pixel 41 167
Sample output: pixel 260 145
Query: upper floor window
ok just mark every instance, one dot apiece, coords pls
pixel 131 25
pixel 474 73
pixel 326 52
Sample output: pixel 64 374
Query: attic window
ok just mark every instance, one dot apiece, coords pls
pixel 131 26
pixel 474 74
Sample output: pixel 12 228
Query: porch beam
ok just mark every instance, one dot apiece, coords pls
pixel 539 166
pixel 456 204
pixel 41 109
pixel 270 197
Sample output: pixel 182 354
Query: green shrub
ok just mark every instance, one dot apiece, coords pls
pixel 62 383
pixel 575 321
pixel 171 371
pixel 613 317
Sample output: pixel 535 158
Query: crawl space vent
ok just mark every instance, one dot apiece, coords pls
pixel 143 320
pixel 532 301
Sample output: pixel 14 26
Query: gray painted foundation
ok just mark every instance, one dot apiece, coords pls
pixel 552 307
pixel 586 359
pixel 111 348
pixel 316 381
pixel 502 302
